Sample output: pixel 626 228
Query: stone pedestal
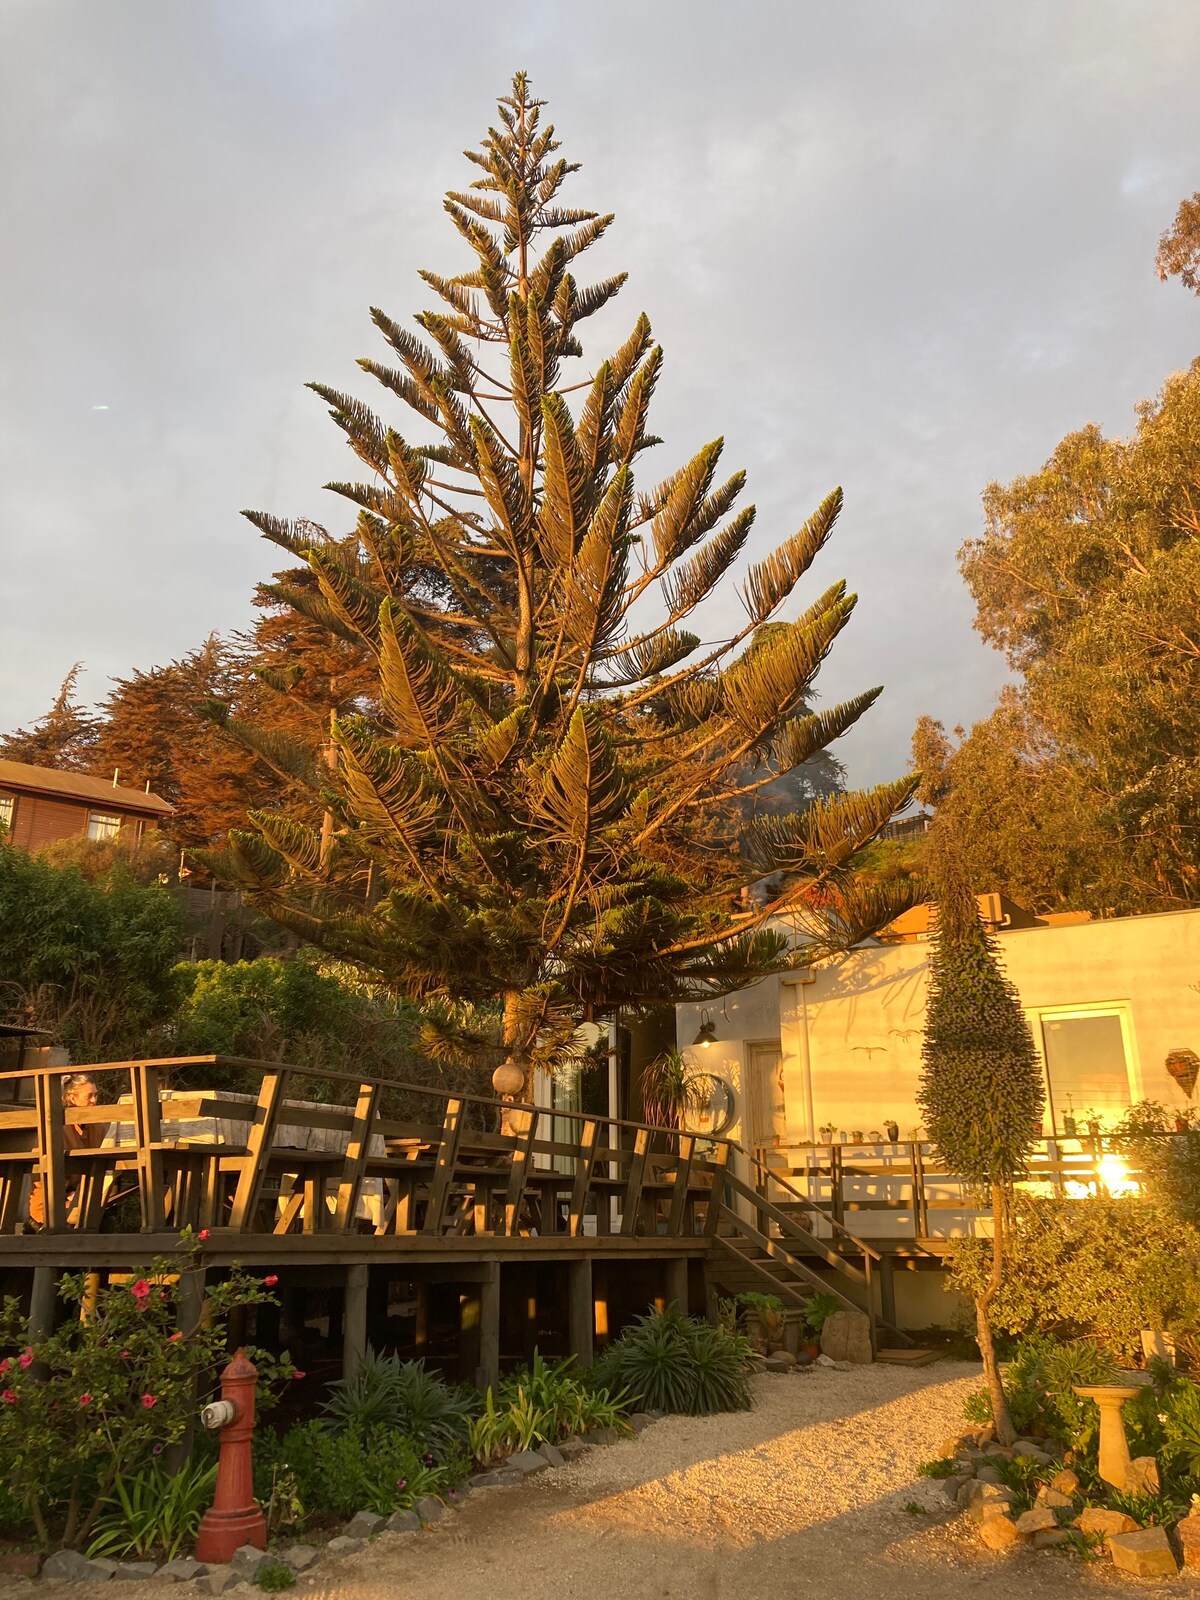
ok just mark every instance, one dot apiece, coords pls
pixel 1114 1447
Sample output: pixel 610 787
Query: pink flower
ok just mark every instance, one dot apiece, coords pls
pixel 85 1399
pixel 175 1338
pixel 202 1235
pixel 270 1280
pixel 26 1360
pixel 4 1366
pixel 140 1290
pixel 8 1397
pixel 298 1374
pixel 149 1400
pixel 125 1355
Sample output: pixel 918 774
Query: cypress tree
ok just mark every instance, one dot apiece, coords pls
pixel 981 1083
pixel 539 804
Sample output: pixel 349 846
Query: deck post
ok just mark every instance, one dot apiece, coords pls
pixel 581 1310
pixel 887 1289
pixel 488 1372
pixel 354 1319
pixel 677 1283
pixel 43 1303
pixel 189 1313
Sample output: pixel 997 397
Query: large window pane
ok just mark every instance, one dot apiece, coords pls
pixel 1087 1066
pixel 103 826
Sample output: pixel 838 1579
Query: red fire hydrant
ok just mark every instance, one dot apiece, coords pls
pixel 234 1519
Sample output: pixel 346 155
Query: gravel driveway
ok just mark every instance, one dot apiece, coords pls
pixel 804 1496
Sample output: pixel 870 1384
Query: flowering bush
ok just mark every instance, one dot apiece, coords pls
pixel 96 1401
pixel 379 1469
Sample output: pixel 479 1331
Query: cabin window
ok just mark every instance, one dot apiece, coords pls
pixel 1089 1066
pixel 7 801
pixel 103 825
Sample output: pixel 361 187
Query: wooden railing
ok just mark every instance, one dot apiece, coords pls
pixel 906 1177
pixel 473 1167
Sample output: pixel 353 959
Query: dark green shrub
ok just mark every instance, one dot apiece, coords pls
pixel 377 1469
pixel 274 1575
pixel 403 1397
pixel 669 1362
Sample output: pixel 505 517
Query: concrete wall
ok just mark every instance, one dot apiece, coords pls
pixel 851 1038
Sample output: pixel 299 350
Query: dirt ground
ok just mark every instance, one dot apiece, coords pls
pixel 814 1493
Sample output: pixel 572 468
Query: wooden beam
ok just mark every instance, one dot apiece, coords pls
pixel 258 1144
pixel 51 1134
pixel 354 1319
pixel 581 1311
pixel 683 1179
pixel 632 1202
pixel 518 1176
pixel 357 1148
pixel 716 1197
pixel 677 1283
pixel 488 1373
pixel 585 1163
pixel 43 1302
pixel 147 1122
pixel 443 1172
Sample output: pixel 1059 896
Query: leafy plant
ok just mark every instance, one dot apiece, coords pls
pixel 544 1403
pixel 764 1304
pixel 339 1472
pixel 669 1362
pixel 403 1396
pixel 818 1310
pixel 274 1575
pixel 154 1513
pixel 941 1467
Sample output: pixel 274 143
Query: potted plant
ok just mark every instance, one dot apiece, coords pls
pixel 826 1131
pixel 762 1315
pixel 820 1307
pixel 892 1129
pixel 856 1136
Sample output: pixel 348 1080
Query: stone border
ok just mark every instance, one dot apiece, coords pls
pixel 71 1566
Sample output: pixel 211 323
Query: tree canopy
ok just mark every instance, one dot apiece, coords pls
pixel 537 797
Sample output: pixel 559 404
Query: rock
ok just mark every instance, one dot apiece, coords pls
pixel 298 1556
pixel 846 1336
pixel 69 1566
pixel 654 1414
pixel 1188 1531
pixel 19 1564
pixel 640 1420
pixel 430 1509
pixel 952 1486
pixel 1096 1519
pixel 553 1455
pixel 1004 1451
pixel 999 1532
pixel 182 1570
pixel 1144 1554
pixel 985 1434
pixel 572 1449
pixel 1031 1452
pixel 983 1500
pixel 343 1546
pixel 216 1580
pixel 134 1571
pixel 1049 1537
pixel 363 1524
pixel 527 1461
pixel 1040 1520
pixel 824 1361
pixel 597 1436
pixel 246 1561
pixel 1142 1476
pixel 779 1361
pixel 1052 1498
pixel 1065 1482
pixel 496 1478
pixel 988 1475
pixel 955 1445
pixel 404 1522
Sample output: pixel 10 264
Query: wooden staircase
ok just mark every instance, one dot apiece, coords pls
pixel 768 1247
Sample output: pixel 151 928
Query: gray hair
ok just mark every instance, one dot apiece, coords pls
pixel 76 1080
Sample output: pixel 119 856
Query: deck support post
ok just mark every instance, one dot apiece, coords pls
pixel 42 1303
pixel 354 1319
pixel 488 1373
pixel 887 1289
pixel 189 1313
pixel 677 1283
pixel 581 1311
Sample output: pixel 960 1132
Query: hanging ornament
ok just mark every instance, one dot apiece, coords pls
pixel 1184 1067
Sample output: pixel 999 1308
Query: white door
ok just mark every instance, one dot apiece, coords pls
pixel 765 1108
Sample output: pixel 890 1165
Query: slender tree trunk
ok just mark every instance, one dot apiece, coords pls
pixel 1005 1432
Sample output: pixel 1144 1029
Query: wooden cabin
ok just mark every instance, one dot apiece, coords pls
pixel 41 804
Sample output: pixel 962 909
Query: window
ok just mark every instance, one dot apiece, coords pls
pixel 1088 1065
pixel 103 825
pixel 7 802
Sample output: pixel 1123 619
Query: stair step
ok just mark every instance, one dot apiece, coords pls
pixel 916 1357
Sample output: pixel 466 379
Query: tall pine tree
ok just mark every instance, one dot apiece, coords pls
pixel 540 804
pixel 981 1084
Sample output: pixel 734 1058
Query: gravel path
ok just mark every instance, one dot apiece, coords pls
pixel 804 1496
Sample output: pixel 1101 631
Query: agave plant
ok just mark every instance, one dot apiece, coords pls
pixel 404 1396
pixel 669 1362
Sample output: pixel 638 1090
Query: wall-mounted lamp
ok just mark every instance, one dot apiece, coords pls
pixel 707 1034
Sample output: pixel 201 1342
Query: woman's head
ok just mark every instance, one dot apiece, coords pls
pixel 79 1089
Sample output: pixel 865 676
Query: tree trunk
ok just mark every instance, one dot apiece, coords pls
pixel 1005 1432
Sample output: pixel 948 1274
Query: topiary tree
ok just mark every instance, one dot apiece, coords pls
pixel 981 1083
pixel 538 802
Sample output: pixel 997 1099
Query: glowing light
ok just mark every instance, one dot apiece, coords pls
pixel 1114 1174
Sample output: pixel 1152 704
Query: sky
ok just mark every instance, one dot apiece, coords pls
pixel 900 247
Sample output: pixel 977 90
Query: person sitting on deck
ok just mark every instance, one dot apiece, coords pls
pixel 79 1089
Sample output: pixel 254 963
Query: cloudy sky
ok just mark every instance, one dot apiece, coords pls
pixel 903 247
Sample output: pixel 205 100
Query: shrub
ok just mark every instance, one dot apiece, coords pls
pixel 403 1397
pixel 274 1575
pixel 1039 1382
pixel 819 1309
pixel 154 1513
pixel 93 1404
pixel 542 1404
pixel 364 1469
pixel 669 1362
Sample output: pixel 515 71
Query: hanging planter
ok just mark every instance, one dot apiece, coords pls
pixel 1184 1067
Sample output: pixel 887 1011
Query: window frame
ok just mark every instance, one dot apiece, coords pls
pixel 8 810
pixel 1122 1010
pixel 105 817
